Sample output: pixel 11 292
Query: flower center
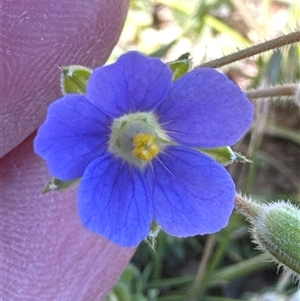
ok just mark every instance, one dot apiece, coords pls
pixel 137 138
pixel 146 147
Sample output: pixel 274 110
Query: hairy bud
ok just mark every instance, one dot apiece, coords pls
pixel 275 229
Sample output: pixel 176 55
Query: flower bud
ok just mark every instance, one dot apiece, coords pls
pixel 276 230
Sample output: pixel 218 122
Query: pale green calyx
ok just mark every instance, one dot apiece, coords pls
pixel 137 138
pixel 276 230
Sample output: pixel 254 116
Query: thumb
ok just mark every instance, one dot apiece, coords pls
pixel 47 253
pixel 38 37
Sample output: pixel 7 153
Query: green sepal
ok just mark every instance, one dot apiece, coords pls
pixel 181 66
pixel 74 79
pixel 56 184
pixel 225 155
pixel 152 235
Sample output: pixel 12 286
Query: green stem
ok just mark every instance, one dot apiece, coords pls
pixel 197 285
pixel 223 276
pixel 241 269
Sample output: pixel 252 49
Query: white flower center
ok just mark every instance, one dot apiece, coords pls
pixel 137 138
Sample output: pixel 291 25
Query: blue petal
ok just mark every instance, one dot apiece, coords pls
pixel 114 201
pixel 205 109
pixel 133 83
pixel 75 132
pixel 192 193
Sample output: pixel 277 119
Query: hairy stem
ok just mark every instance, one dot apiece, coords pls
pixel 257 49
pixel 282 90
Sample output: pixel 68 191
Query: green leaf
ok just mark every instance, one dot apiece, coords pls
pixel 181 66
pixel 221 27
pixel 129 274
pixel 121 292
pixel 225 155
pixel 74 79
pixel 56 184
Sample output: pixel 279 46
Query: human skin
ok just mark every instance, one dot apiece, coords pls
pixel 46 253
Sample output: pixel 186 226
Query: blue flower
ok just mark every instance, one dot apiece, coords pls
pixel 132 140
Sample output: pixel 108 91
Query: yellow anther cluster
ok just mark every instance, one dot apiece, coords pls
pixel 145 146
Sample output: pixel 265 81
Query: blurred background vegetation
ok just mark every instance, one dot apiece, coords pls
pixel 225 266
